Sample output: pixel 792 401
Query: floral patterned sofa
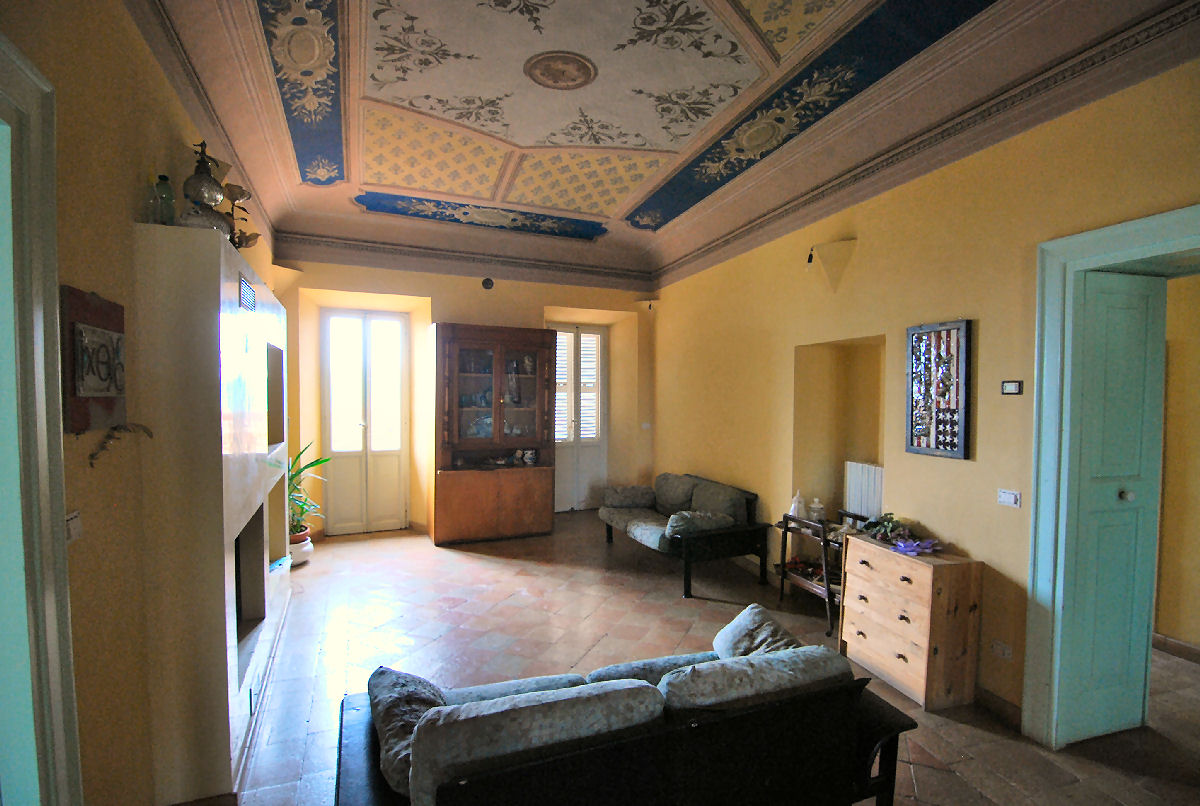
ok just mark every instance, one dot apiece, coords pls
pixel 689 517
pixel 721 727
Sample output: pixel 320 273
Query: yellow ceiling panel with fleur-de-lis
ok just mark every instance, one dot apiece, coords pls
pixel 584 181
pixel 784 23
pixel 409 151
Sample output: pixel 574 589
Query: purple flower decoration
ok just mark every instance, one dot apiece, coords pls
pixel 914 547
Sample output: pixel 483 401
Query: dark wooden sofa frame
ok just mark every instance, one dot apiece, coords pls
pixel 721 544
pixel 818 747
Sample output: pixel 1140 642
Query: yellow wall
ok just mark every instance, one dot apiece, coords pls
pixel 1177 615
pixel 118 125
pixel 959 243
pixel 446 298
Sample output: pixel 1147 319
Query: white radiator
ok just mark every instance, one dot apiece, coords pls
pixel 863 493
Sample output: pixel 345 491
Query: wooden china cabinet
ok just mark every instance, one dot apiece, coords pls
pixel 495 452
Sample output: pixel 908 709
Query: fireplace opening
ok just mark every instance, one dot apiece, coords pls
pixel 250 587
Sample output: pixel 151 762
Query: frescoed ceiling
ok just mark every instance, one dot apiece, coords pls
pixel 612 142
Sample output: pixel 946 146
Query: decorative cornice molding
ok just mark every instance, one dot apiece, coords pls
pixel 988 122
pixel 293 246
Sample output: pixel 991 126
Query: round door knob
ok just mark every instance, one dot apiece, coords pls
pixel 1126 495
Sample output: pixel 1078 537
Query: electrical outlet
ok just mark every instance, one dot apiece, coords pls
pixel 1009 498
pixel 1001 650
pixel 74 527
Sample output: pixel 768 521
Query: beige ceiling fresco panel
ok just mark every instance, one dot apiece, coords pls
pixel 584 181
pixel 785 23
pixel 407 151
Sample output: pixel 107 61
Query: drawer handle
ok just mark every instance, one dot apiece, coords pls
pixel 905 618
pixel 864 562
pixel 900 655
pixel 906 579
pixel 863 598
pixel 860 633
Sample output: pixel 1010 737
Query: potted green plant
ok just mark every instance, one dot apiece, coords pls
pixel 300 504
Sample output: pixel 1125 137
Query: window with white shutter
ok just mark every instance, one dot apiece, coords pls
pixel 578 392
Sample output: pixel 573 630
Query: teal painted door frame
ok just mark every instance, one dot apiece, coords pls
pixel 1135 247
pixel 27 108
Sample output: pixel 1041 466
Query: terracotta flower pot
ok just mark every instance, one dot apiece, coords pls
pixel 299 537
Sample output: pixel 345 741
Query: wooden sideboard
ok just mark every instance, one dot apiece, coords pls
pixel 913 621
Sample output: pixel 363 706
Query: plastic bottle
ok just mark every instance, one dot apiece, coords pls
pixel 797 510
pixel 816 511
pixel 161 203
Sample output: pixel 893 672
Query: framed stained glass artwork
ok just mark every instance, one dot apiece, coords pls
pixel 938 389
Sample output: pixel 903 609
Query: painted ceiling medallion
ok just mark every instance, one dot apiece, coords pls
pixel 560 70
pixel 302 39
pixel 488 65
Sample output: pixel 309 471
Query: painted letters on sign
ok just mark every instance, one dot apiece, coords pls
pixel 99 362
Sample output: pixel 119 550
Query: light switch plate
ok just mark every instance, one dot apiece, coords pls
pixel 74 527
pixel 1009 498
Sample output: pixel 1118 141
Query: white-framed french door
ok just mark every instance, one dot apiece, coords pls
pixel 365 402
pixel 580 416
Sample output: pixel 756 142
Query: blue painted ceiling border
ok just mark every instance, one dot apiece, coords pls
pixel 479 216
pixel 881 42
pixel 302 37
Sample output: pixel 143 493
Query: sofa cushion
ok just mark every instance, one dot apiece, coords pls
pixel 453 737
pixel 752 631
pixel 741 681
pixel 673 493
pixel 621 517
pixel 398 701
pixel 638 495
pixel 710 496
pixel 650 670
pixel 506 688
pixel 689 522
pixel 652 532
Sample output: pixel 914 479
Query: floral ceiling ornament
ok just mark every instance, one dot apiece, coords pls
pixel 321 170
pixel 770 128
pixel 529 9
pixel 684 110
pixel 406 50
pixel 476 111
pixel 591 132
pixel 304 54
pixel 477 215
pixel 673 25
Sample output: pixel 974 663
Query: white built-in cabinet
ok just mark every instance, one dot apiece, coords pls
pixel 206 356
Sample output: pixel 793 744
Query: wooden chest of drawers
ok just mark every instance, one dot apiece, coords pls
pixel 913 621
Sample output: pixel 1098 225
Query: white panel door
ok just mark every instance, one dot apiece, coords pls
pixel 366 421
pixel 581 442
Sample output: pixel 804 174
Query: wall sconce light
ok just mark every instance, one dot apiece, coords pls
pixel 646 303
pixel 833 258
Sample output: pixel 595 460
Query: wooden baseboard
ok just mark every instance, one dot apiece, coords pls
pixel 1173 646
pixel 999 707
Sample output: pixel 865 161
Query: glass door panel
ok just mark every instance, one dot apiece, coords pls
pixel 520 394
pixel 475 390
pixel 346 423
pixel 386 404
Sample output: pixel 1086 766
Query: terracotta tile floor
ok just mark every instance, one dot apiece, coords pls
pixel 483 612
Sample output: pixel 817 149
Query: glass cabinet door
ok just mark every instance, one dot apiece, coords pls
pixel 474 386
pixel 520 395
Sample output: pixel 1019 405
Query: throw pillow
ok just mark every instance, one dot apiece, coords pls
pixel 742 681
pixel 453 738
pixel 673 493
pixel 398 701
pixel 639 496
pixel 753 631
pixel 713 497
pixel 689 522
